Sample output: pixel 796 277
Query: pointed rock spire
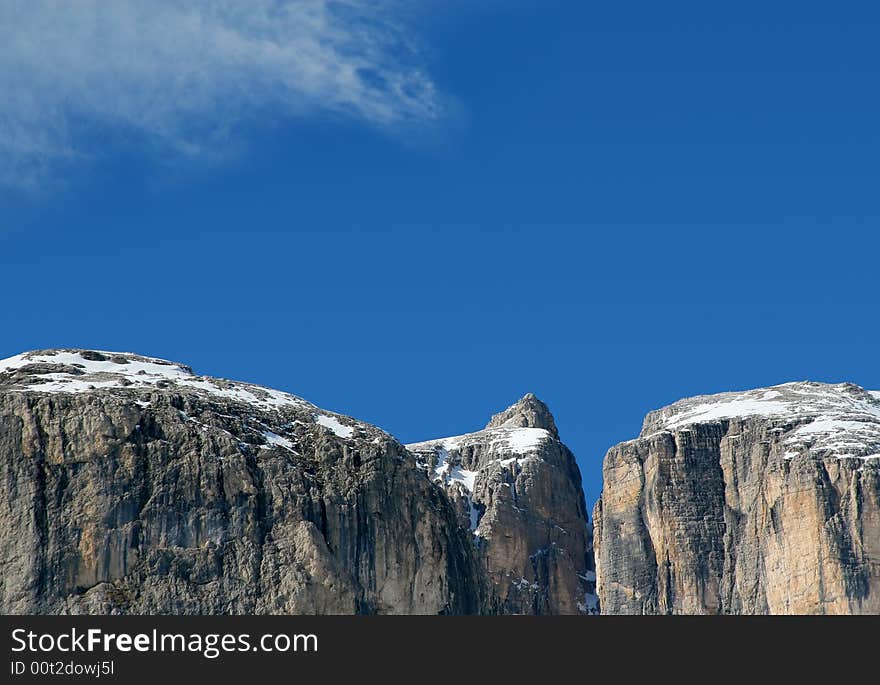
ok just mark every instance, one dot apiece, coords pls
pixel 529 412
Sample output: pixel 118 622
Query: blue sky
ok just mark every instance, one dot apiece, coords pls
pixel 612 205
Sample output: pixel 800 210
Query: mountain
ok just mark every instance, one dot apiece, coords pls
pixel 128 484
pixel 517 489
pixel 761 502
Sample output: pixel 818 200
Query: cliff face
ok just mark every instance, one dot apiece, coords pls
pixel 760 502
pixel 517 490
pixel 130 485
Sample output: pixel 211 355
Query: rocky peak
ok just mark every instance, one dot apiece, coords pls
pixel 517 489
pixel 528 412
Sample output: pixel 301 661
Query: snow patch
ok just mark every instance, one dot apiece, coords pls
pixel 727 410
pixel 590 605
pixel 459 475
pixel 132 366
pixel 834 421
pixel 334 425
pixel 275 440
pixel 519 441
pixel 105 370
pixel 448 473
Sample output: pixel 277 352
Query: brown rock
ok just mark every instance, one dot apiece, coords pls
pixel 766 502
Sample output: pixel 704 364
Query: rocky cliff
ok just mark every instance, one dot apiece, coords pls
pixel 517 489
pixel 766 501
pixel 130 485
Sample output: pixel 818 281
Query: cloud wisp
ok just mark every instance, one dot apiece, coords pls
pixel 182 77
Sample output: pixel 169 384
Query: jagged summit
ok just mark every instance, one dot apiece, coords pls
pixel 838 420
pixel 528 412
pixel 521 429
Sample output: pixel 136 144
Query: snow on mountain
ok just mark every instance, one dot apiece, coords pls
pixel 164 492
pixel 517 489
pixel 507 440
pixel 506 446
pixel 82 371
pixel 334 425
pixel 503 527
pixel 841 420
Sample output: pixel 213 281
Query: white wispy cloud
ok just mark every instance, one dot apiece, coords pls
pixel 182 76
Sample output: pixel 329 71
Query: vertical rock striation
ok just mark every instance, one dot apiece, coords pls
pixel 762 502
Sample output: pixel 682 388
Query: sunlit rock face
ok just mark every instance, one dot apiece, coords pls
pixel 762 502
pixel 517 490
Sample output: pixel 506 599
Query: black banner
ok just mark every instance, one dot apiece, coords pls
pixel 518 649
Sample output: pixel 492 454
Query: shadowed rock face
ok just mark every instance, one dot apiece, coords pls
pixel 130 485
pixel 764 502
pixel 517 489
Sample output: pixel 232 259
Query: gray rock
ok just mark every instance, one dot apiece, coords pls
pixel 130 485
pixel 517 488
pixel 529 412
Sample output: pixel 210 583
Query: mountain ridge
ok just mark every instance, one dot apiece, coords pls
pixel 134 485
pixel 130 484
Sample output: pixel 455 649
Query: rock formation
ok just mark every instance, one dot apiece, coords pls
pixel 759 502
pixel 130 485
pixel 517 488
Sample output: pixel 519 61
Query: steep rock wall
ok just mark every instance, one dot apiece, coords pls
pixel 766 502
